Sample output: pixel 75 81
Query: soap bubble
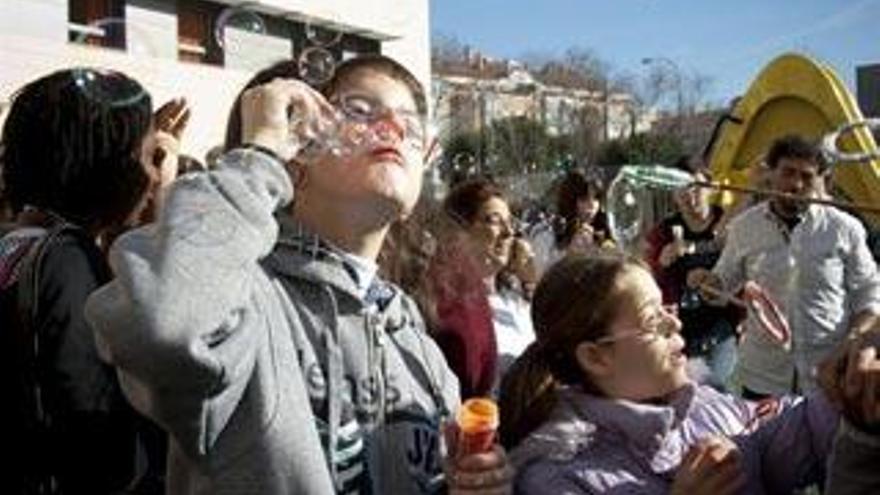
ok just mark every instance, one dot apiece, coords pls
pixel 624 201
pixel 97 85
pixel 338 135
pixel 316 65
pixel 632 190
pixel 323 36
pixel 232 22
pixel 113 32
pixel 462 162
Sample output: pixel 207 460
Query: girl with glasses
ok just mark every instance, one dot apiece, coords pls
pixel 601 401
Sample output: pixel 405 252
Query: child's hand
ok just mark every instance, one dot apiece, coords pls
pixel 711 467
pixel 474 474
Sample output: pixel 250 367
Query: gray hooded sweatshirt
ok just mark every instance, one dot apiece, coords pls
pixel 251 342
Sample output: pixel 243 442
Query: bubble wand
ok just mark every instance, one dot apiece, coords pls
pixel 758 303
pixel 834 155
pixel 666 178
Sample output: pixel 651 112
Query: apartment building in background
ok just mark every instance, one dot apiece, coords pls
pixel 492 90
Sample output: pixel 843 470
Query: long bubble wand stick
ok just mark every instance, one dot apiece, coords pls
pixel 670 179
pixel 776 194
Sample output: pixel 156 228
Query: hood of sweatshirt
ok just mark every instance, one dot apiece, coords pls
pixel 359 338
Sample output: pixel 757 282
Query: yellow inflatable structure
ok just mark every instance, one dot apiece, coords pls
pixel 796 94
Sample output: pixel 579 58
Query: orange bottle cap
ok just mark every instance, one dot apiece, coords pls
pixel 477 415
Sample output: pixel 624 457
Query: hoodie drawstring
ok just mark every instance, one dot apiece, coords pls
pixel 335 381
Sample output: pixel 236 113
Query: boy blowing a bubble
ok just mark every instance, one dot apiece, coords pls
pixel 250 322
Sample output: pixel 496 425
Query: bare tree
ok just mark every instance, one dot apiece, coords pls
pixel 577 68
pixel 629 83
pixel 697 87
pixel 660 84
pixel 587 133
pixel 446 49
pixel 594 70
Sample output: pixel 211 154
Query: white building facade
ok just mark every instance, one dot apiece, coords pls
pixel 180 48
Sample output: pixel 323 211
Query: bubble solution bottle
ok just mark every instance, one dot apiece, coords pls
pixel 477 421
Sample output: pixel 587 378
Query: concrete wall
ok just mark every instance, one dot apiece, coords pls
pixel 410 22
pixel 33 42
pixel 401 25
pixel 40 19
pixel 251 51
pixel 152 28
pixel 210 90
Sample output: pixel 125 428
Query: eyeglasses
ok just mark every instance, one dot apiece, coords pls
pixel 513 224
pixel 496 220
pixel 662 323
pixel 367 109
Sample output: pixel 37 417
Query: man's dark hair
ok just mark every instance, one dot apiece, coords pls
pixel 793 146
pixel 383 65
pixel 72 145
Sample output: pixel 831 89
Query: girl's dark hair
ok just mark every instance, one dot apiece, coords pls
pixel 574 186
pixel 72 145
pixel 574 302
pixel 463 203
pixel 288 69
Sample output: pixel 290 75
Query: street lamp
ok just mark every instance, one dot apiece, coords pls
pixel 678 80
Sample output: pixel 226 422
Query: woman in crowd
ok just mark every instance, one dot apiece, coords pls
pixel 482 321
pixel 78 163
pixel 601 402
pixel 689 239
pixel 579 224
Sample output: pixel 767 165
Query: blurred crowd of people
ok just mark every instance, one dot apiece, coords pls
pixel 296 317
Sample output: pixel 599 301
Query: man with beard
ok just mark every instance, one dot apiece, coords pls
pixel 812 259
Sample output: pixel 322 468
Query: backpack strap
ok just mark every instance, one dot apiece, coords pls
pixel 27 302
pixel 29 422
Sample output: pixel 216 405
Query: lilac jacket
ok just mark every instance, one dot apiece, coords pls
pixel 595 445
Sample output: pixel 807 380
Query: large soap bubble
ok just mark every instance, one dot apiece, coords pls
pixel 232 22
pixel 630 194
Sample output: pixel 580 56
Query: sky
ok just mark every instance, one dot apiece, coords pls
pixel 729 41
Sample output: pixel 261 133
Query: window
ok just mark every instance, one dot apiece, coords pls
pixel 97 22
pixel 348 46
pixel 195 32
pixel 354 44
